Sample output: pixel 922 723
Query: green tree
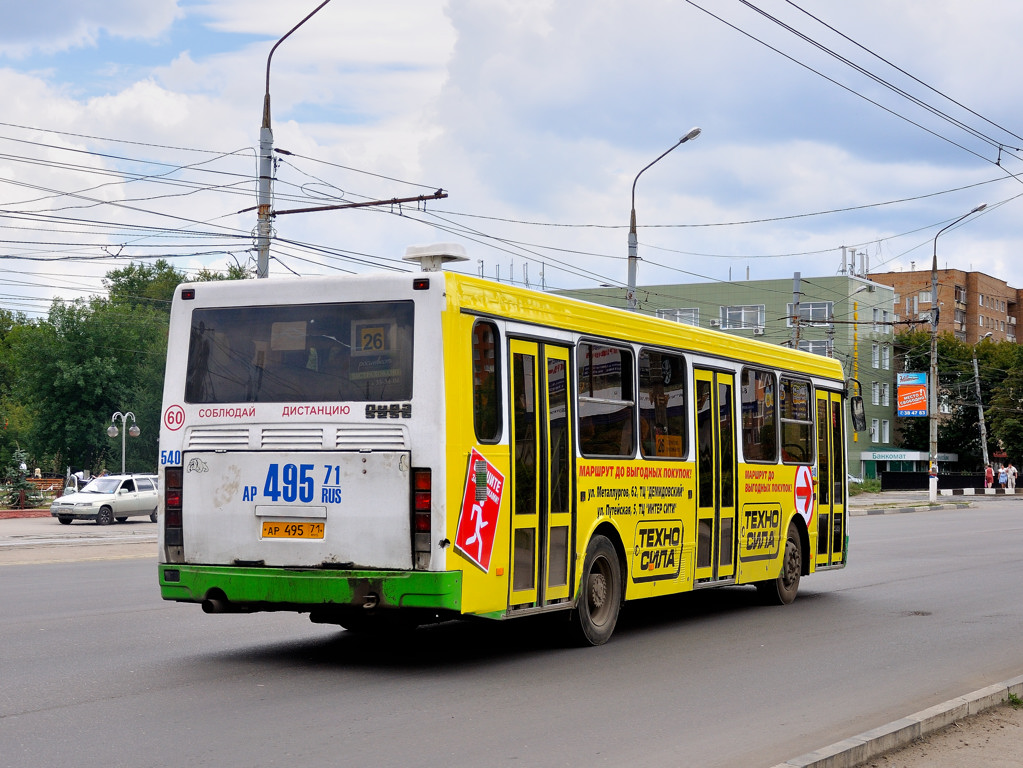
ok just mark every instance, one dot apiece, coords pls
pixel 18 487
pixel 14 419
pixel 148 285
pixel 63 377
pixel 1004 405
pixel 234 272
pixel 958 427
pixel 87 360
pixel 959 422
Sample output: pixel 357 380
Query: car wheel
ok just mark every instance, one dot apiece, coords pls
pixel 152 516
pixel 65 519
pixel 600 595
pixel 105 516
pixel 782 590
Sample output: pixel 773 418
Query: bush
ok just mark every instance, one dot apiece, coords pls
pixel 867 486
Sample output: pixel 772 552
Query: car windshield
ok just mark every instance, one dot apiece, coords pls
pixel 102 485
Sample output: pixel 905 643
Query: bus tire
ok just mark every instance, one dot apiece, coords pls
pixel 782 590
pixel 600 597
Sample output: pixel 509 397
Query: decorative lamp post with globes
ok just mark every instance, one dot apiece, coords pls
pixel 133 430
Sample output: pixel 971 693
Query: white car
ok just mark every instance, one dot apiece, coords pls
pixel 109 498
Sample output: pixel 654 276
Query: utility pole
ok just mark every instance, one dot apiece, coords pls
pixel 264 198
pixel 795 310
pixel 980 403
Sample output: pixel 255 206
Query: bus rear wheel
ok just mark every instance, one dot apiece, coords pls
pixel 782 590
pixel 600 597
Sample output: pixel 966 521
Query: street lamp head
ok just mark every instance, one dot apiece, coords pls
pixel 633 243
pixel 986 336
pixel 693 133
pixel 979 208
pixel 112 431
pixel 134 430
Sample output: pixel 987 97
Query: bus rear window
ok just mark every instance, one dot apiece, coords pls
pixel 301 353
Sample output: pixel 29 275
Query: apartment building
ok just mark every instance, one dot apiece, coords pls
pixel 972 304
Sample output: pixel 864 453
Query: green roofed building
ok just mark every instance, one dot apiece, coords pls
pixel 845 317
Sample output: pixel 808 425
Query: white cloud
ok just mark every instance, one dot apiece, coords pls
pixel 49 26
pixel 545 111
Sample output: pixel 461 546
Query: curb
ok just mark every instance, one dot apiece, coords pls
pixel 12 514
pixel 856 750
pixel 925 507
pixel 978 492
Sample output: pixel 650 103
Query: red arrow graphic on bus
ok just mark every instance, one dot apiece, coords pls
pixel 803 493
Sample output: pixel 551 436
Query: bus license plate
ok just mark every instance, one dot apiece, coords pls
pixel 276 529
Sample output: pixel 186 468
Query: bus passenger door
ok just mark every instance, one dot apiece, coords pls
pixel 830 479
pixel 541 477
pixel 715 475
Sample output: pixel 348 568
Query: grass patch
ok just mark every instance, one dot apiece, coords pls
pixel 1015 701
pixel 867 486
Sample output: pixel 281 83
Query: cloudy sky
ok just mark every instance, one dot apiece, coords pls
pixel 129 132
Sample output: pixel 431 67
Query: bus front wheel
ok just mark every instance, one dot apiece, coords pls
pixel 600 597
pixel 783 589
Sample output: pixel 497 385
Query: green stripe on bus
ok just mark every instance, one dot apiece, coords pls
pixel 404 589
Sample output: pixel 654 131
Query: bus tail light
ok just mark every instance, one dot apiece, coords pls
pixel 172 530
pixel 422 501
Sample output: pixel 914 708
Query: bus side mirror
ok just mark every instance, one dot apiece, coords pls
pixel 859 418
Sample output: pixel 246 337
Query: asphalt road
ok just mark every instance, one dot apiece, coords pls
pixel 97 671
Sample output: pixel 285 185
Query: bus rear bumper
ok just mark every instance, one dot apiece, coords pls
pixel 237 589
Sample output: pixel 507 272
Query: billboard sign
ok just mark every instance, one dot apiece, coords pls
pixel 911 394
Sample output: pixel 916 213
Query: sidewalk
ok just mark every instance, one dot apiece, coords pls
pixel 978 729
pixel 39 538
pixel 895 502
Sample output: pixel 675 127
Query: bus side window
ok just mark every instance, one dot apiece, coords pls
pixel 486 402
pixel 662 405
pixel 606 406
pixel 796 422
pixel 759 416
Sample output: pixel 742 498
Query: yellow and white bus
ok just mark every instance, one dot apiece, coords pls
pixel 416 447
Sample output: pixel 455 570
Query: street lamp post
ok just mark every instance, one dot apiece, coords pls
pixel 980 402
pixel 633 241
pixel 133 430
pixel 264 197
pixel 932 468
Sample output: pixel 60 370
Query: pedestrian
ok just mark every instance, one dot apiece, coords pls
pixel 1011 473
pixel 989 476
pixel 1003 476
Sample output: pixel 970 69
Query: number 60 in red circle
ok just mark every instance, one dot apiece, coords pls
pixel 174 418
